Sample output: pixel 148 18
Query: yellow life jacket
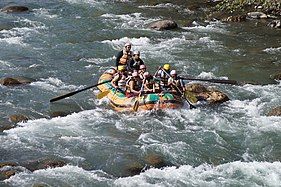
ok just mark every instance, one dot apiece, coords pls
pixel 125 58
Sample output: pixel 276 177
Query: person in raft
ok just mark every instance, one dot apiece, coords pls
pixel 124 56
pixel 135 62
pixel 176 84
pixel 134 85
pixel 148 83
pixel 163 75
pixel 120 78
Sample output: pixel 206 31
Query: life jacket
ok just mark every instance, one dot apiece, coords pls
pixel 137 85
pixel 178 84
pixel 163 78
pixel 121 81
pixel 125 58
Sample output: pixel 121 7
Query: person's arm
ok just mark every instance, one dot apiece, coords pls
pixel 118 57
pixel 114 81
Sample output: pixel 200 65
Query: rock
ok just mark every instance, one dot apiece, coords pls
pixel 257 15
pixel 16 118
pixel 15 9
pixel 6 173
pixel 58 113
pixel 196 88
pixel 210 95
pixel 276 76
pixel 6 127
pixel 163 25
pixel 134 168
pixel 14 81
pixel 235 18
pixel 275 112
pixel 275 24
pixel 155 161
pixel 44 163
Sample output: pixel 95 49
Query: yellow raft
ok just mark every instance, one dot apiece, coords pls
pixel 151 101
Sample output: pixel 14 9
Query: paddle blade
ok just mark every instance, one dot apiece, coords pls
pixel 102 94
pixel 190 96
pixel 136 105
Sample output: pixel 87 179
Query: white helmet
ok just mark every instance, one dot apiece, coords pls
pixel 142 66
pixel 127 44
pixel 173 72
pixel 136 53
pixel 146 74
pixel 135 74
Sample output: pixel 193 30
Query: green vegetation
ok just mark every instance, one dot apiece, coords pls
pixel 269 6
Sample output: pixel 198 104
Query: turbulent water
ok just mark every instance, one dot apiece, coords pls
pixel 65 45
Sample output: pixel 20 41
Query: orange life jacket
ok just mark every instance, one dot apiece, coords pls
pixel 125 58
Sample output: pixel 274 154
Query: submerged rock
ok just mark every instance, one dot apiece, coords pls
pixel 15 9
pixel 163 25
pixel 6 127
pixel 155 161
pixel 275 111
pixel 16 118
pixel 44 163
pixel 212 96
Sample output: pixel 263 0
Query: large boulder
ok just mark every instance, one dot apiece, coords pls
pixel 15 9
pixel 212 96
pixel 44 163
pixel 163 25
pixel 275 111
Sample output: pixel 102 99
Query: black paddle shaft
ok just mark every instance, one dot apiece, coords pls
pixel 233 82
pixel 75 92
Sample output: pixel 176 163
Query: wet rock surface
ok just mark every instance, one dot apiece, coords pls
pixel 202 93
pixel 163 25
pixel 15 81
pixel 15 9
pixel 16 118
pixel 275 111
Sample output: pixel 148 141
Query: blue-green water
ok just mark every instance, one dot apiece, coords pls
pixel 65 45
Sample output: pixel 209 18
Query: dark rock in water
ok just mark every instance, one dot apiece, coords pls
pixel 58 113
pixel 275 24
pixel 275 111
pixel 44 164
pixel 134 168
pixel 163 25
pixel 14 81
pixel 6 173
pixel 40 185
pixel 155 161
pixel 6 127
pixel 16 118
pixel 9 81
pixel 15 9
pixel 276 76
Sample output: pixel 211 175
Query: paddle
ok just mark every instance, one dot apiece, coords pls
pixel 233 82
pixel 102 94
pixel 75 92
pixel 178 90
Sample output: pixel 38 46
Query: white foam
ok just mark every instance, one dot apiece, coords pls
pixel 44 13
pixel 213 27
pixel 161 5
pixel 273 50
pixel 242 173
pixel 53 84
pixel 128 21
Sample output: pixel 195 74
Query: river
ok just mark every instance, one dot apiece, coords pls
pixel 67 44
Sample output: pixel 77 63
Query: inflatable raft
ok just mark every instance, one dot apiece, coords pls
pixel 151 101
